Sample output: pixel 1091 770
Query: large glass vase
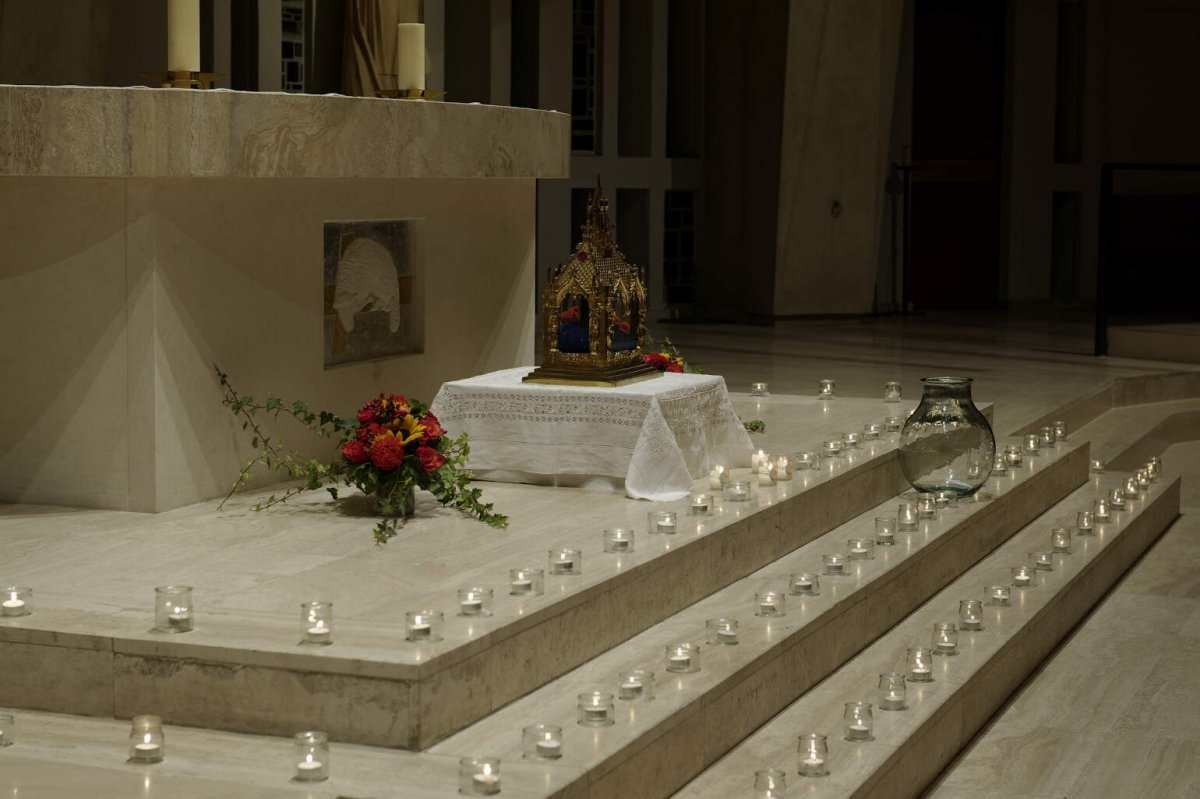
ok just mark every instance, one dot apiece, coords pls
pixel 947 444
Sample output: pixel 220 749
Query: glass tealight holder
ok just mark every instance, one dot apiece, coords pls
pixel 526 581
pixel 782 469
pixel 1014 455
pixel 970 615
pixel 885 531
pixel 701 505
pixel 541 742
pixel 738 491
pixel 835 564
pixel 310 750
pixel 893 689
pixel 1033 445
pixel 596 709
pixel 1143 479
pixel 1060 429
pixel 1116 498
pixel 1042 561
pixel 565 561
pixel 1096 466
pixel 683 658
pixel 479 776
pixel 721 632
pixel 892 424
pixel 927 508
pixel 759 390
pixel 813 755
pixel 1047 436
pixel 8 730
pixel 1000 466
pixel 832 448
pixel 173 608
pixel 919 666
pixel 770 603
pixel 851 441
pixel 806 461
pixel 17 601
pixel 892 391
pixel 907 517
pixel 946 500
pixel 618 540
pixel 859 722
pixel 718 478
pixel 661 522
pixel 998 595
pixel 872 431
pixel 861 548
pixel 804 584
pixel 1101 511
pixel 770 784
pixel 636 685
pixel 423 626
pixel 826 389
pixel 1085 524
pixel 764 475
pixel 147 744
pixel 316 622
pixel 475 601
pixel 1154 469
pixel 945 638
pixel 1132 489
pixel 1022 576
pixel 758 458
pixel 1060 540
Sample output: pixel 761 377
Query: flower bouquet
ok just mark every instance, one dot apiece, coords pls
pixel 395 445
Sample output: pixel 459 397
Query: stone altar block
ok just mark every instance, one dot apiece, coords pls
pixel 149 234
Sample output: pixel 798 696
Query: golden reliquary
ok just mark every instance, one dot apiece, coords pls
pixel 594 307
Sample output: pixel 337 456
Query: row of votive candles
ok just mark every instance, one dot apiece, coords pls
pixel 826 389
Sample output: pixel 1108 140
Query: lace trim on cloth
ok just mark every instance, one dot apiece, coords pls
pixel 626 411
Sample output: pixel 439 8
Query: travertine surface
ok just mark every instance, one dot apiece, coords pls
pixel 78 131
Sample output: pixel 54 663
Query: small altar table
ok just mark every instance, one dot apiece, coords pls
pixel 653 437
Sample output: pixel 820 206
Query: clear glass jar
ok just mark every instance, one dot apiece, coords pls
pixel 770 784
pixel 526 581
pixel 892 392
pixel 893 689
pixel 147 743
pixel 661 521
pixel 596 709
pixel 851 441
pixel 832 448
pixel 1085 524
pixel 541 742
pixel 970 614
pixel 1060 540
pixel 947 444
pixel 619 541
pixel 721 632
pixel 998 595
pixel 807 461
pixel 636 685
pixel 738 491
pixel 475 601
pixel 770 603
pixel 892 424
pixel 872 431
pixel 1022 576
pixel 861 548
pixel 759 390
pixel 310 750
pixel 782 469
pixel 316 622
pixel 1014 455
pixel 907 517
pixel 173 608
pixel 927 508
pixel 423 626
pixel 1097 466
pixel 1060 429
pixel 479 776
pixel 946 500
pixel 1116 498
pixel 718 478
pixel 813 755
pixel 920 664
pixel 1000 466
pixel 8 729
pixel 804 584
pixel 683 658
pixel 885 531
pixel 826 389
pixel 16 600
pixel 835 564
pixel 1033 445
pixel 1042 561
pixel 565 561
pixel 1047 436
pixel 945 638
pixel 859 722
pixel 701 505
pixel 1101 511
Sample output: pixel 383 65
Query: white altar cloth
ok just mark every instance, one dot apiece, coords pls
pixel 654 437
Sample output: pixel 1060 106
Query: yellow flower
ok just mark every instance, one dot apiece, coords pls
pixel 412 429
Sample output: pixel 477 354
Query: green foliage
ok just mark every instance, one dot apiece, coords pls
pixel 755 426
pixel 650 344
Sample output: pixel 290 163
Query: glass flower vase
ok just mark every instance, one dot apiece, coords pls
pixel 399 499
pixel 947 444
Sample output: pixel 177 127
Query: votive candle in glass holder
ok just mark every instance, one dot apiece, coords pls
pixel 173 608
pixel 885 531
pixel 770 603
pixel 596 709
pixel 1101 510
pixel 541 742
pixel 804 584
pixel 1047 436
pixel 1042 561
pixel 17 601
pixel 1096 466
pixel 718 478
pixel 147 743
pixel 721 632
pixel 8 729
pixel 892 391
pixel 759 390
pixel 1022 576
pixel 920 664
pixel 813 755
pixel 316 622
pixel 1132 489
pixel 970 615
pixel 636 685
pixel 893 689
pixel 946 500
pixel 807 460
pixel 618 540
pixel 1153 468
pixel 945 638
pixel 782 469
pixel 851 441
pixel 872 431
pixel 835 563
pixel 860 724
pixel 758 458
pixel 861 548
pixel 826 389
pixel 683 658
pixel 1033 444
pixel 1060 540
pixel 475 601
pixel 738 491
pixel 701 505
pixel 927 508
pixel 565 561
pixel 1000 466
pixel 770 784
pixel 764 475
pixel 892 424
pixel 479 776
pixel 423 626
pixel 1143 479
pixel 1116 498
pixel 907 516
pixel 310 751
pixel 661 521
pixel 1060 429
pixel 526 581
pixel 1014 455
pixel 832 448
pixel 998 595
pixel 1085 523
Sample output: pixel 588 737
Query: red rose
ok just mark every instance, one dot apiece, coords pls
pixel 370 432
pixel 354 451
pixel 430 459
pixel 674 367
pixel 656 360
pixel 387 453
pixel 433 428
pixel 365 415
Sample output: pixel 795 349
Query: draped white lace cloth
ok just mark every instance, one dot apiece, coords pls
pixel 653 437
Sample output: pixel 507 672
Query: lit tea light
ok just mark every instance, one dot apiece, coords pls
pixel 525 582
pixel 892 424
pixel 813 756
pixel 475 601
pixel 661 521
pixel 835 564
pixel 859 722
pixel 1060 540
pixel 566 561
pixel 1097 466
pixel 683 658
pixel 892 391
pixel 892 691
pixel 927 508
pixel 738 491
pixel 1042 561
pixel 1014 455
pixel 541 742
pixel 636 685
pixel 782 471
pixel 595 709
pixel 885 531
pixel 1102 512
pixel 804 584
pixel 826 389
pixel 851 440
pixel 770 603
pixel 907 516
pixel 147 742
pixel 423 626
pixel 832 448
pixel 173 608
pixel 1022 576
pixel 946 500
pixel 718 478
pixel 765 476
pixel 770 784
pixel 618 540
pixel 998 595
pixel 311 750
pixel 701 504
pixel 1000 466
pixel 1033 443
pixel 1084 522
pixel 872 430
pixel 1116 498
pixel 316 622
pixel 1047 437
pixel 920 664
pixel 861 548
pixel 1060 430
pixel 1143 479
pixel 1132 489
pixel 758 458
pixel 945 638
pixel 807 461
pixel 970 614
pixel 17 600
pixel 759 390
pixel 722 632
pixel 479 776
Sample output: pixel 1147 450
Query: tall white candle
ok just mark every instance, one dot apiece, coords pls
pixel 410 55
pixel 183 35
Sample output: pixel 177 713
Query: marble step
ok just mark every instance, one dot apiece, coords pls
pixel 912 746
pixel 656 746
pixel 241 668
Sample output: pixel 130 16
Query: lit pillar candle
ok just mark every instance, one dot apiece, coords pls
pixel 183 35
pixel 410 56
